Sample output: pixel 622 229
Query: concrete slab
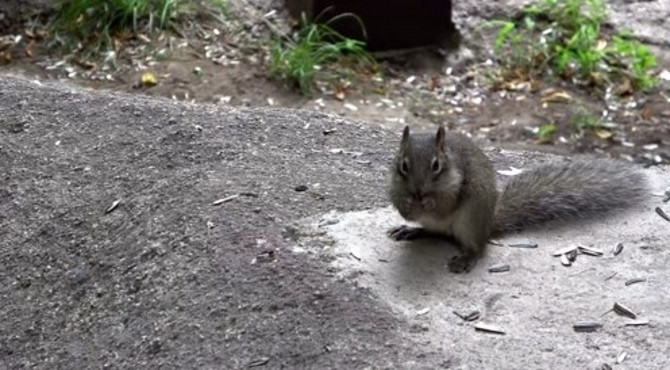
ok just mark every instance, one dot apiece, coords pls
pixel 535 303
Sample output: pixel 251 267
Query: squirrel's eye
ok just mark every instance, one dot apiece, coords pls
pixel 436 167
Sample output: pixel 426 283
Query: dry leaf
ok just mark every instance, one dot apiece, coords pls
pixel 557 97
pixel 625 87
pixel 646 113
pixel 603 134
pixel 148 79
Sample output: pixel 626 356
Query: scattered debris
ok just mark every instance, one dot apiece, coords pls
pixel 605 366
pixel 611 276
pixel 495 242
pixel 637 323
pixel 587 326
pixel 329 131
pixel 624 311
pixel 355 256
pixel 662 214
pixel 523 245
pixel 267 256
pixel 472 316
pixel 630 282
pixel 225 200
pixel 618 249
pixel 113 206
pixel 622 356
pixel 590 251
pixel 301 188
pixel 499 268
pixel 382 260
pixel 563 251
pixel 565 261
pixel 351 107
pixel 480 326
pixel 260 362
pixel 666 196
pixel 423 311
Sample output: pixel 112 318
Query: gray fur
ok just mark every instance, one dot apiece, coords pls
pixel 572 190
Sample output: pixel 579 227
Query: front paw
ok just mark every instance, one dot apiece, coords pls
pixel 404 232
pixel 462 263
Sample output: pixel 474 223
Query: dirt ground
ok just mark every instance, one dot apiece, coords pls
pixel 414 90
pixel 143 232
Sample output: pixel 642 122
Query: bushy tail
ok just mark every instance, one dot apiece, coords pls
pixel 568 191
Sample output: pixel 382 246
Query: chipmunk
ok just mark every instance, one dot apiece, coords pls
pixel 446 184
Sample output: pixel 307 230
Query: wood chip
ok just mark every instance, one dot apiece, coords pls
pixel 621 357
pixel 662 214
pixel 637 323
pixel 113 206
pixel 635 281
pixel 523 245
pixel 587 326
pixel 499 268
pixel 618 249
pixel 590 251
pixel 563 251
pixel 480 326
pixel 624 311
pixel 225 200
pixel 472 316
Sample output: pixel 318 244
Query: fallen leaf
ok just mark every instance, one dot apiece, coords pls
pixel 148 79
pixel 557 97
pixel 603 134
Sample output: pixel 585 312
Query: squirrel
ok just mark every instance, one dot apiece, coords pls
pixel 447 184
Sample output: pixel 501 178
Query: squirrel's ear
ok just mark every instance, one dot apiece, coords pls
pixel 440 137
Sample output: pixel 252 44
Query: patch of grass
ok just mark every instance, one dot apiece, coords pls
pixel 546 132
pixel 298 59
pixel 565 38
pixel 96 24
pixel 583 121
